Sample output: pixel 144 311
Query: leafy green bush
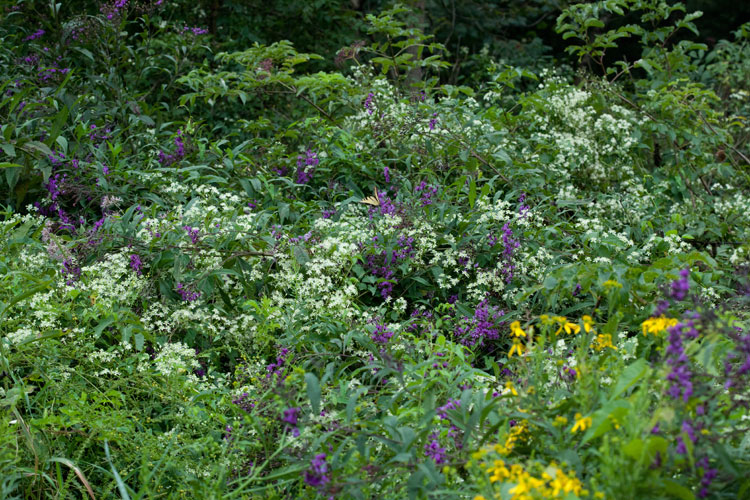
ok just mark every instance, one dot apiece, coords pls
pixel 236 275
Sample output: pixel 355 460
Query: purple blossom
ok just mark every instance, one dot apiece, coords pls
pixel 368 103
pixel 194 234
pixel 381 335
pixel 290 419
pixel 276 368
pixel 34 36
pixel 316 476
pixel 434 451
pixel 167 159
pixel 70 271
pixel 452 404
pixel 680 376
pixel 244 402
pixel 427 193
pixel 187 293
pixel 510 244
pixel 194 31
pixel 680 288
pixel 306 166
pixel 433 121
pixel 136 264
pixel 484 325
pixel 387 174
pixel 328 213
pixel 523 208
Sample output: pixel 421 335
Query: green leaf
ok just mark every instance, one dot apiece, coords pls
pixel 313 391
pixel 629 376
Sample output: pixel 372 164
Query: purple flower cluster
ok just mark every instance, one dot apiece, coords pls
pixel 368 103
pixel 328 213
pixel 523 209
pixel 680 376
pixel 37 34
pixel 427 192
pixel 382 264
pixel 680 288
pixel 113 11
pixel 452 404
pixel 179 153
pixel 194 31
pixel 735 371
pixel 484 325
pixel 709 475
pixel 381 335
pixel 434 451
pixel 317 475
pixel 433 121
pixel 187 293
pixel 136 264
pixel 244 402
pixel 387 174
pixel 194 233
pixel 510 245
pixel 306 166
pixel 276 368
pixel 291 415
pixel 70 271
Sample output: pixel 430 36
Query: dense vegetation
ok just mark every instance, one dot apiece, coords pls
pixel 427 263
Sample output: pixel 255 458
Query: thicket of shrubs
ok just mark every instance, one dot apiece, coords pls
pixel 257 274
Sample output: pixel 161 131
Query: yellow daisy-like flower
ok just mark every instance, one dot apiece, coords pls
pixel 516 330
pixel 582 423
pixel 588 323
pixel 516 348
pixel 657 325
pixel 602 341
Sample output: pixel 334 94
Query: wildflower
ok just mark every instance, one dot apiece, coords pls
pixel 602 341
pixel 516 330
pixel 368 103
pixel 433 121
pixel 516 348
pixel 316 475
pixel 187 294
pixel 657 325
pixel 290 419
pixel 582 423
pixel 136 264
pixel 588 323
pixel 434 451
pixel 381 335
pixel 34 36
pixel 679 288
pixel 194 234
pixel 560 421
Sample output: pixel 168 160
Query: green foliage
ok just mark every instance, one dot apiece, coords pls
pixel 230 271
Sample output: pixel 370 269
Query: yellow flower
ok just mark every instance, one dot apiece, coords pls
pixel 479 497
pixel 509 386
pixel 516 347
pixel 602 341
pixel 560 420
pixel 587 323
pixel 612 284
pixel 582 423
pixel 516 330
pixel 657 325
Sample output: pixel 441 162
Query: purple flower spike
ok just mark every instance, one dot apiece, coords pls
pixel 316 476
